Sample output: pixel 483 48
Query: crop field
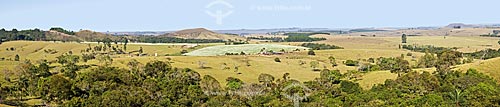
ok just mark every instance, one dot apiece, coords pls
pixel 246 48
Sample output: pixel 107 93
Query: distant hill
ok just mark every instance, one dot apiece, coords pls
pixel 88 35
pixel 201 33
pixel 84 35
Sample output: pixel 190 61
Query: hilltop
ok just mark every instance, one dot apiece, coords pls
pixel 201 33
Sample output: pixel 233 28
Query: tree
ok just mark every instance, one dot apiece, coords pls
pixel 332 61
pixel 446 60
pixel 16 58
pixel 401 66
pixel 68 59
pixel 266 79
pixel 154 68
pixel 105 60
pixel 427 61
pixel 330 76
pixel 311 52
pixel 58 89
pixel 403 38
pixel 277 60
pixel 457 97
pixel 498 42
pixel 140 50
pixel 184 51
pixel 234 83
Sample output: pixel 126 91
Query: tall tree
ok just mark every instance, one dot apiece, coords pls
pixel 403 38
pixel 16 58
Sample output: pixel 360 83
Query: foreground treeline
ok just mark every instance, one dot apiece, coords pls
pixel 157 83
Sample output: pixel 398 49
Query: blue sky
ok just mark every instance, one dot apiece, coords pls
pixel 162 15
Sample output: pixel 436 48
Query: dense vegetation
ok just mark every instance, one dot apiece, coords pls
pixel 302 37
pixel 158 83
pixel 426 48
pixel 317 46
pixel 484 54
pixel 14 34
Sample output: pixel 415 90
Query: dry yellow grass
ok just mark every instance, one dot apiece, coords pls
pixel 490 67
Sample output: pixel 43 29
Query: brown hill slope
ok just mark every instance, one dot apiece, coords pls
pixel 87 35
pixel 58 36
pixel 201 33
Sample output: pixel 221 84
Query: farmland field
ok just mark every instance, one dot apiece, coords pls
pixel 246 48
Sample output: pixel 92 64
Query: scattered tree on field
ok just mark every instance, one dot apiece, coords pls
pixel 403 38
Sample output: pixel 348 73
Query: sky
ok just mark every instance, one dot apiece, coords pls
pixel 167 15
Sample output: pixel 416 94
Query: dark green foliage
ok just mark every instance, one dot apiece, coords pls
pixel 400 66
pixel 301 37
pixel 68 59
pixel 277 60
pixel 317 46
pixel 484 54
pixel 427 48
pixel 351 63
pixel 234 83
pixel 350 87
pixel 332 61
pixel 32 34
pixel 184 51
pixel 311 52
pixel 16 58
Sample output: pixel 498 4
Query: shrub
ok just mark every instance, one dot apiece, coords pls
pixel 277 60
pixel 351 63
pixel 311 52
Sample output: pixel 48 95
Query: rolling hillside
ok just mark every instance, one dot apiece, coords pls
pixel 201 33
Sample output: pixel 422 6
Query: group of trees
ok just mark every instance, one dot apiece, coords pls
pixel 14 34
pixel 484 54
pixel 426 48
pixel 302 38
pixel 158 83
pixel 317 46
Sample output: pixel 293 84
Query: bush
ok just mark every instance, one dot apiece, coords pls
pixel 351 63
pixel 311 52
pixel 277 60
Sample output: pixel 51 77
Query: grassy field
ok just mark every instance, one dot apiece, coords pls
pixel 356 48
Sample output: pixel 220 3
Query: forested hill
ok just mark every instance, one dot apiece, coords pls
pixel 59 34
